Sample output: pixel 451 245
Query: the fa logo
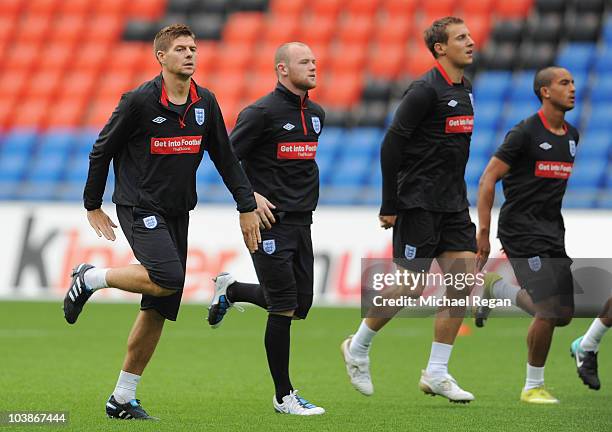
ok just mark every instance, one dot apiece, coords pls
pixel 316 124
pixel 269 246
pixel 150 222
pixel 572 147
pixel 535 263
pixel 199 116
pixel 410 252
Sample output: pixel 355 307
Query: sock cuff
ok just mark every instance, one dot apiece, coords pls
pixel 280 319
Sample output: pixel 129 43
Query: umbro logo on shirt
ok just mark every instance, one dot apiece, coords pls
pixel 545 146
pixel 288 126
pixel 452 103
pixel 158 120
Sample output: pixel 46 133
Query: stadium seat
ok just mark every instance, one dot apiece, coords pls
pixel 361 7
pixel 104 28
pixel 330 141
pixel 500 56
pixel 285 8
pixel 342 90
pixel 600 115
pixel 361 142
pixel 482 143
pixel 487 115
pixel 75 7
pixel 550 6
pixel 340 195
pixel 243 28
pixel 575 116
pixel 67 28
pixel 12 167
pixel 418 60
pixel 580 198
pixel 12 8
pixel 582 27
pixel 370 114
pixel 68 111
pixel 400 8
pixel 492 86
pixel 145 9
pixel 355 30
pixel 513 9
pixel 536 55
pixel 386 60
pixel 587 173
pixel 510 30
pixel 325 29
pixel 439 8
pixel 607 31
pixel 328 8
pixel 595 145
pixel 474 169
pixel 233 58
pixel 522 87
pixel 576 57
pixel 602 89
pixel 470 7
pixel 517 112
pixel 603 60
pixel 205 25
pixel 545 28
pixel 351 171
pixel 350 58
pixel 109 7
pixel 590 6
pixel 279 31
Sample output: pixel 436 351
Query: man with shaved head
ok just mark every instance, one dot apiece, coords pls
pixel 534 163
pixel 276 139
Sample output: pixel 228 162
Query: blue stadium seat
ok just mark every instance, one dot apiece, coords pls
pixel 474 169
pixel 77 167
pixel 12 166
pixel 587 173
pixel 85 140
pixel 599 118
pixel 601 91
pixel 487 115
pixel 595 145
pixel 20 141
pixel 603 61
pixel 46 168
pixel 577 57
pixel 375 178
pixel 491 87
pixel 522 87
pixel 482 143
pixel 517 112
pixel 606 31
pixel 340 195
pixel 57 140
pixel 329 141
pixel 351 171
pixel 207 173
pixel 581 81
pixel 325 164
pixel 361 141
pixel 575 116
pixel 583 198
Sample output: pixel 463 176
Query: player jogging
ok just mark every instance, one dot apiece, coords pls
pixel 156 138
pixel 535 162
pixel 423 159
pixel 276 139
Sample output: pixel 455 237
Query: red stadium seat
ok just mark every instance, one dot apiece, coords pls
pixel 91 57
pixel 471 7
pixel 260 84
pixel 315 30
pixel 479 26
pixel 109 7
pixel 386 61
pixel 66 112
pixel 513 9
pixel 33 28
pixel 40 7
pixel 341 91
pixel 146 9
pixel 233 58
pixel 127 57
pixel 329 8
pixel 208 54
pixel 228 88
pixel 76 7
pixel 100 111
pixel 418 60
pixel 284 8
pixel 322 57
pixel 243 27
pixel 279 31
pixel 438 8
pixel 22 56
pixel 361 7
pixel 104 28
pixel 56 56
pixel 7 28
pixel 79 85
pixel 356 30
pixel 392 31
pixel 67 28
pixel 348 59
pixel 399 8
pixel 264 60
pixel 12 8
pixel 30 113
pixel 113 86
pixel 43 84
pixel 7 111
pixel 12 83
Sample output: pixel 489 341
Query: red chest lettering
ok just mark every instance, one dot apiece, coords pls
pixel 553 169
pixel 459 124
pixel 176 145
pixel 296 150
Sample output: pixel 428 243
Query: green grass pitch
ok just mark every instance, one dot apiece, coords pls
pixel 203 379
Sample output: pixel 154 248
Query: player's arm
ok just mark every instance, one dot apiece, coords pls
pixel 226 162
pixel 248 131
pixel 110 141
pixel 415 105
pixel 494 171
pixel 499 165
